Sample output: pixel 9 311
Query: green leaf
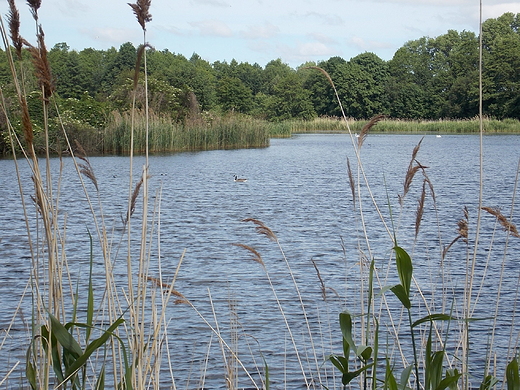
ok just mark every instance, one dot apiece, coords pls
pixel 100 383
pixel 434 317
pixel 93 346
pixel 488 382
pixel 364 352
pixel 390 382
pixel 64 337
pixel 348 376
pixel 340 362
pixel 449 381
pixel 90 295
pixel 345 323
pixel 30 370
pixel 512 376
pixel 404 268
pixel 405 376
pixel 400 293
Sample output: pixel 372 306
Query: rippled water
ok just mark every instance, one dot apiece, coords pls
pixel 298 187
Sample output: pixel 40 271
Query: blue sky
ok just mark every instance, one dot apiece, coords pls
pixel 259 30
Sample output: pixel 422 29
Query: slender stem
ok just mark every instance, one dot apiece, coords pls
pixel 416 361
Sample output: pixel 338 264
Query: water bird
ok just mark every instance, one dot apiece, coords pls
pixel 237 179
pixel 439 136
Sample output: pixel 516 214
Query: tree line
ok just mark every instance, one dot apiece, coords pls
pixel 427 78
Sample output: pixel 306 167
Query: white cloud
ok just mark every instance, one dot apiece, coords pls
pixel 314 49
pixel 326 19
pixel 115 36
pixel 494 11
pixel 325 39
pixel 367 45
pixel 265 31
pixel 212 28
pixel 215 3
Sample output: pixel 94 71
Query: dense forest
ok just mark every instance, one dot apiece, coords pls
pixel 427 78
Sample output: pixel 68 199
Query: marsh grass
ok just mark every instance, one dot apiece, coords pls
pixel 228 132
pixel 396 126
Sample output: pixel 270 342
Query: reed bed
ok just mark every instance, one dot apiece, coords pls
pixel 165 135
pixel 395 126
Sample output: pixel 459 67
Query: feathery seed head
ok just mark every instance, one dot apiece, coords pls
pixel 141 10
pixel 262 228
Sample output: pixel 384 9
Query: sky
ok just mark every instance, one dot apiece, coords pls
pixel 258 31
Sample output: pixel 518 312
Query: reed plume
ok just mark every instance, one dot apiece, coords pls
pixel 462 230
pixel 262 229
pixel 141 10
pixel 364 131
pixel 140 52
pixel 42 67
pixel 34 5
pixel 351 182
pixel 13 18
pixel 507 225
pixel 255 255
pixel 133 200
pixel 86 169
pixel 420 209
pixel 411 171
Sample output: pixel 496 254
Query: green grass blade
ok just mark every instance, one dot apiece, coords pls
pixel 90 297
pixel 400 293
pixel 433 317
pixel 512 376
pixel 64 337
pixel 100 382
pixel 405 377
pixel 93 346
pixel 404 268
pixel 340 362
pixel 345 323
pixel 489 382
pixel 390 382
pixel 450 381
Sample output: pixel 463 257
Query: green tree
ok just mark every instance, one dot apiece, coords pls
pixel 289 99
pixel 66 71
pixel 234 95
pixel 364 93
pixel 501 44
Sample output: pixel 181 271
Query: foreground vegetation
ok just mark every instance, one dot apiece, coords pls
pixel 118 337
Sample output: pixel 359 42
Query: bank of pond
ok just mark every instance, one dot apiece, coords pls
pixel 235 132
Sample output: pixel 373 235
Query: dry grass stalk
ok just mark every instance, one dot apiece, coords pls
pixel 364 131
pixel 322 284
pixel 262 229
pixel 507 225
pixel 86 169
pixel 141 10
pixel 256 256
pixel 351 182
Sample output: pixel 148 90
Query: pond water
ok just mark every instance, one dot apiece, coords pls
pixel 300 189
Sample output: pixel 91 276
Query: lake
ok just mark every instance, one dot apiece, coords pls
pixel 298 187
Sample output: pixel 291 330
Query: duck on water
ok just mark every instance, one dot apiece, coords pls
pixel 240 180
